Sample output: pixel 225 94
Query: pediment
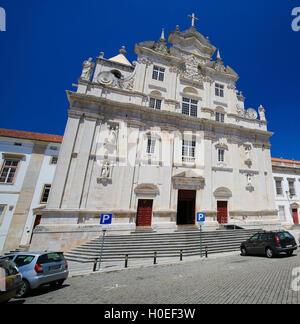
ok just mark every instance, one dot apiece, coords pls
pixel 146 189
pixel 223 192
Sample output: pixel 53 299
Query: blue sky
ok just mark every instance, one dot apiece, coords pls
pixel 46 42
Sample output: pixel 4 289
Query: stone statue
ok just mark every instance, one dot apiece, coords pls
pixel 88 67
pixel 105 171
pixel 261 112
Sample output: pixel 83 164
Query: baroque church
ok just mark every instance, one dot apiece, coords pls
pixel 155 141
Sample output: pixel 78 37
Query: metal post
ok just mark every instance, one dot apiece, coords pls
pixel 200 240
pixel 181 253
pixel 101 251
pixel 155 256
pixel 126 260
pixel 95 264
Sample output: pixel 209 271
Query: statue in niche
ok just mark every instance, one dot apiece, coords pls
pixel 88 67
pixel 111 141
pixel 105 170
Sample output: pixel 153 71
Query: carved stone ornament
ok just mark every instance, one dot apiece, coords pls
pixel 240 110
pixel 251 113
pixel 109 79
pixel 105 78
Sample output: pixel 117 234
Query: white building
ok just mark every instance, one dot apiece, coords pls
pixel 286 174
pixel 155 141
pixel 28 162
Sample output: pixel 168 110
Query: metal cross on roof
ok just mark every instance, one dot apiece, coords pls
pixel 193 19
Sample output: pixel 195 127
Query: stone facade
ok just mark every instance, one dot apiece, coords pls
pixel 167 135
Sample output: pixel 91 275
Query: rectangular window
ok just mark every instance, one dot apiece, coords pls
pixel 221 154
pixel 2 209
pixel 219 90
pixel 158 73
pixel 45 194
pixel 292 188
pixel 189 107
pixel 188 150
pixel 278 187
pixel 8 171
pixel 150 146
pixel 155 103
pixel 281 212
pixel 220 117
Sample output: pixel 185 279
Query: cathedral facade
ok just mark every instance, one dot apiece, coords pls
pixel 155 141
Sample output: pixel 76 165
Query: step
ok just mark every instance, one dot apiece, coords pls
pixel 143 245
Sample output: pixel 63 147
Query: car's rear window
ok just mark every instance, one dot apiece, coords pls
pixel 284 235
pixel 22 260
pixel 50 257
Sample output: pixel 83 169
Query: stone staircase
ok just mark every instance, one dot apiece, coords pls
pixel 144 245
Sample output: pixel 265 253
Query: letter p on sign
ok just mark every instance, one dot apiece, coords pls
pixel 106 219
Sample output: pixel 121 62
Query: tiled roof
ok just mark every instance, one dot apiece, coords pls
pixel 276 161
pixel 31 136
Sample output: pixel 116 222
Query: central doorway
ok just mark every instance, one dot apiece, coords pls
pixel 186 207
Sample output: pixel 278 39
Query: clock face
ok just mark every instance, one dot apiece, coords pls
pixel 105 78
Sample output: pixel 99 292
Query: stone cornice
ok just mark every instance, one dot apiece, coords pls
pixel 162 114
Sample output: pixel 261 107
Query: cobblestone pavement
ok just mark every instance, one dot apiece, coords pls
pixel 227 279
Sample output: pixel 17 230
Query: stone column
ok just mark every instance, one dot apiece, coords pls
pixel 82 163
pixel 60 178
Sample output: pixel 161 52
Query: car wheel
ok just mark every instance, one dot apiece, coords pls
pixel 269 253
pixel 289 253
pixel 24 291
pixel 243 251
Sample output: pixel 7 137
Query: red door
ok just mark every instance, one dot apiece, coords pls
pixel 295 216
pixel 144 212
pixel 222 212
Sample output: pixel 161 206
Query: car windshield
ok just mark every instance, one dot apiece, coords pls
pixel 22 260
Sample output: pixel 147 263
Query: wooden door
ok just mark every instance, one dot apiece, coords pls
pixel 144 212
pixel 222 212
pixel 295 216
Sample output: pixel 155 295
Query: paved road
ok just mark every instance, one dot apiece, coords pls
pixel 230 279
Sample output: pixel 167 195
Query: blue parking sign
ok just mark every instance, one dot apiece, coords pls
pixel 105 219
pixel 200 217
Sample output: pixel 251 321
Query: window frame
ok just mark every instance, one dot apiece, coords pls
pixel 189 105
pixel 188 150
pixel 158 73
pixel 220 117
pixel 15 168
pixel 43 193
pixel 219 90
pixel 292 189
pixel 2 215
pixel 279 190
pixel 221 155
pixel 150 149
pixel 157 103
